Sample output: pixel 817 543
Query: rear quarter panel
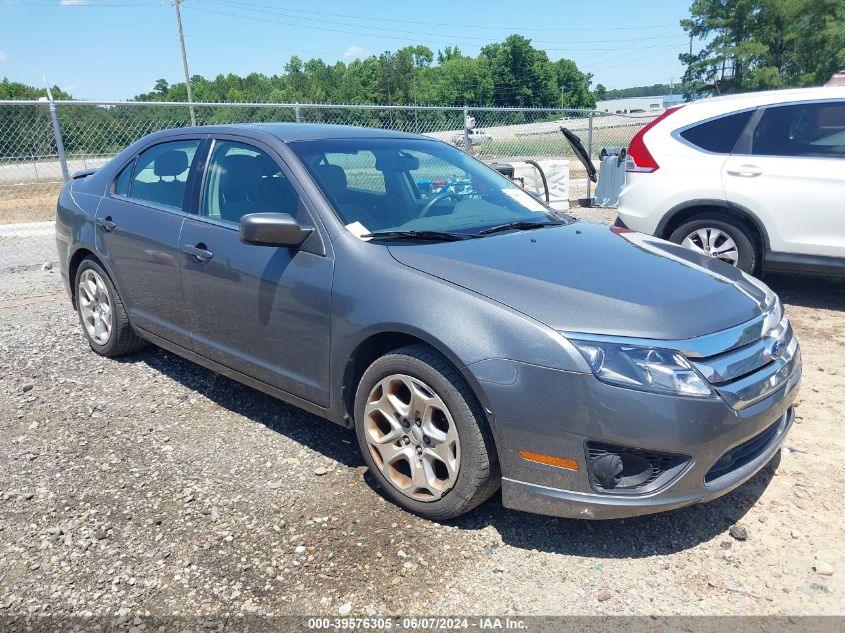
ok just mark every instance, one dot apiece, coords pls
pixel 685 173
pixel 75 229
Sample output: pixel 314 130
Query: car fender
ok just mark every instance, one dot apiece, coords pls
pixel 464 326
pixel 737 210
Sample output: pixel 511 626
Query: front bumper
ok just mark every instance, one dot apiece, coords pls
pixel 551 412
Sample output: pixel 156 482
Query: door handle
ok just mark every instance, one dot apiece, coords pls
pixel 198 252
pixel 106 223
pixel 745 171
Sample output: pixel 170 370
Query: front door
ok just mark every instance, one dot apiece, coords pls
pixel 138 226
pixel 263 311
pixel 793 177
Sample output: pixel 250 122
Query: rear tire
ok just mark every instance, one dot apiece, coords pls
pixel 101 312
pixel 721 236
pixel 423 434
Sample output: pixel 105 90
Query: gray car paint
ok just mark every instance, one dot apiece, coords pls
pixel 494 307
pixel 578 278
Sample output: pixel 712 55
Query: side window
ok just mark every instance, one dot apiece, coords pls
pixel 242 179
pixel 161 173
pixel 359 169
pixel 121 183
pixel 809 129
pixel 718 135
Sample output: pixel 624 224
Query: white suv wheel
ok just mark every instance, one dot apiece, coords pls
pixel 711 241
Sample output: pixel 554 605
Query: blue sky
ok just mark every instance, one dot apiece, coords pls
pixel 115 49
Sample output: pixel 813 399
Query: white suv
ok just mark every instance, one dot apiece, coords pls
pixel 756 179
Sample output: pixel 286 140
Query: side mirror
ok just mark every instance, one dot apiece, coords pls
pixel 272 229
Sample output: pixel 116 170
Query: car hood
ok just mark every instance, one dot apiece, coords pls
pixel 591 278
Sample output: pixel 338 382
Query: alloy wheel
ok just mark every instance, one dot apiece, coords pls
pixel 412 437
pixel 95 306
pixel 714 242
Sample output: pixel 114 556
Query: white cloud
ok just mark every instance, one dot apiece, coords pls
pixel 2 56
pixel 71 3
pixel 354 52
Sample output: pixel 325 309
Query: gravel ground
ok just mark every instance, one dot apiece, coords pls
pixel 26 245
pixel 152 485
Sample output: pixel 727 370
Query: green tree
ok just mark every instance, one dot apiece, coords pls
pixel 522 75
pixel 508 73
pixel 27 131
pixel 640 91
pixel 761 44
pixel 574 85
pixel 463 81
pixel 601 92
pixel 17 90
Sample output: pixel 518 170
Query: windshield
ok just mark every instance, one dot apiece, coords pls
pixel 378 185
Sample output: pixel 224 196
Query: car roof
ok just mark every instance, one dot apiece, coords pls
pixel 290 132
pixel 765 97
pixel 703 109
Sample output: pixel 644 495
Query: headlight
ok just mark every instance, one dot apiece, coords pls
pixel 649 369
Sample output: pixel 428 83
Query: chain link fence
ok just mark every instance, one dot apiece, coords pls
pixel 36 153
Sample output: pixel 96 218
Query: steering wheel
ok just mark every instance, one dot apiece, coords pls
pixel 440 196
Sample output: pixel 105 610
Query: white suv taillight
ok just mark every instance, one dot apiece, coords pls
pixel 638 158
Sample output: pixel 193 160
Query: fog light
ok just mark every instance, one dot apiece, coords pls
pixel 607 470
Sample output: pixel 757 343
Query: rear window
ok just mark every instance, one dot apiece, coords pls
pixel 161 173
pixel 806 129
pixel 718 135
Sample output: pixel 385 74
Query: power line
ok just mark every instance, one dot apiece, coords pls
pixel 284 13
pixel 472 25
pixel 628 62
pixel 391 37
pixel 81 5
pixel 298 51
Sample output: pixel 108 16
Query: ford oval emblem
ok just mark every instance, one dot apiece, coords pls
pixel 776 349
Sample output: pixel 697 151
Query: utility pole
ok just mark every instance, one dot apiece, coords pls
pixel 176 3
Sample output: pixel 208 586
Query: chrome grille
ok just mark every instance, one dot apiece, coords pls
pixel 744 360
pixel 748 373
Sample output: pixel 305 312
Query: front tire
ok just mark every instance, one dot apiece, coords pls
pixel 423 434
pixel 101 312
pixel 720 236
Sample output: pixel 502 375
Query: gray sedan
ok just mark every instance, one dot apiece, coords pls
pixel 472 336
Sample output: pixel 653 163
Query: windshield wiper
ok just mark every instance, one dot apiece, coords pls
pixel 443 236
pixel 521 225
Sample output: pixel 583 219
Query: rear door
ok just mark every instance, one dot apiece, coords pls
pixel 790 172
pixel 138 226
pixel 263 311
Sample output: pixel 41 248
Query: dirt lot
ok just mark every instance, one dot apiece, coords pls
pixel 152 485
pixel 37 206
